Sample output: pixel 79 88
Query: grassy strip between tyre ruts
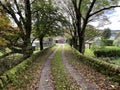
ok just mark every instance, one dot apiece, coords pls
pixel 21 76
pixel 61 79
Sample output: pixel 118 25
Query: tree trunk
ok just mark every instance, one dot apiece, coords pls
pixel 41 43
pixel 74 42
pixel 81 43
pixel 27 50
pixel 75 38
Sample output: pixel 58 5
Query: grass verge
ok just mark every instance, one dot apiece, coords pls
pixel 89 52
pixel 61 78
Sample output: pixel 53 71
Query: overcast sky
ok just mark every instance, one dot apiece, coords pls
pixel 114 18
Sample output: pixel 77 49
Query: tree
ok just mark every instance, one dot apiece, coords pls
pixel 91 33
pixel 4 22
pixel 20 12
pixel 106 33
pixel 118 35
pixel 117 40
pixel 66 7
pixel 86 11
pixel 8 34
pixel 47 20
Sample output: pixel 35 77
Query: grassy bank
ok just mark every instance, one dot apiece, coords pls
pixel 9 62
pixel 23 76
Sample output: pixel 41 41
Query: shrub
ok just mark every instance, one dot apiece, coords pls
pixel 111 70
pixel 108 42
pixel 107 52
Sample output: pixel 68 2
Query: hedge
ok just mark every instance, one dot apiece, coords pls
pixel 108 42
pixel 111 70
pixel 107 52
pixel 10 75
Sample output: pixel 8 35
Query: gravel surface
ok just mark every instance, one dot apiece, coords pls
pixel 78 78
pixel 45 80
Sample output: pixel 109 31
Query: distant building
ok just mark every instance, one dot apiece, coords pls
pixel 60 39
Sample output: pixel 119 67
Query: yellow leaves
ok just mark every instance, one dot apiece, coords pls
pixel 4 20
pixel 7 32
pixel 3 42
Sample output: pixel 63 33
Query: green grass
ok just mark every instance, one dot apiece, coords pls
pixel 112 47
pixel 61 78
pixel 89 52
pixel 1 54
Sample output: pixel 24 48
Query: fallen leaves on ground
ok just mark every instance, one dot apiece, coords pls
pixel 91 75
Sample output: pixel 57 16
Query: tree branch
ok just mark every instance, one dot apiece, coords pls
pixel 103 9
pixel 19 12
pixel 90 8
pixel 10 11
pixel 34 39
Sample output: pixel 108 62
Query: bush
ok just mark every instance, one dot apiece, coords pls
pixel 107 52
pixel 111 70
pixel 108 42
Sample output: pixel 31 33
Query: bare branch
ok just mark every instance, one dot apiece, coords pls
pixel 103 9
pixel 19 12
pixel 90 8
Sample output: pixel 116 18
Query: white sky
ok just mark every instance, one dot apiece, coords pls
pixel 114 19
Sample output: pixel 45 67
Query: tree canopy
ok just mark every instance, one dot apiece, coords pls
pixel 20 13
pixel 8 34
pixel 47 20
pixel 91 33
pixel 106 33
pixel 86 11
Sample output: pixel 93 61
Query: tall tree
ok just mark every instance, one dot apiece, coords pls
pixel 106 33
pixel 20 12
pixel 91 33
pixel 87 10
pixel 47 20
pixel 66 7
pixel 8 34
